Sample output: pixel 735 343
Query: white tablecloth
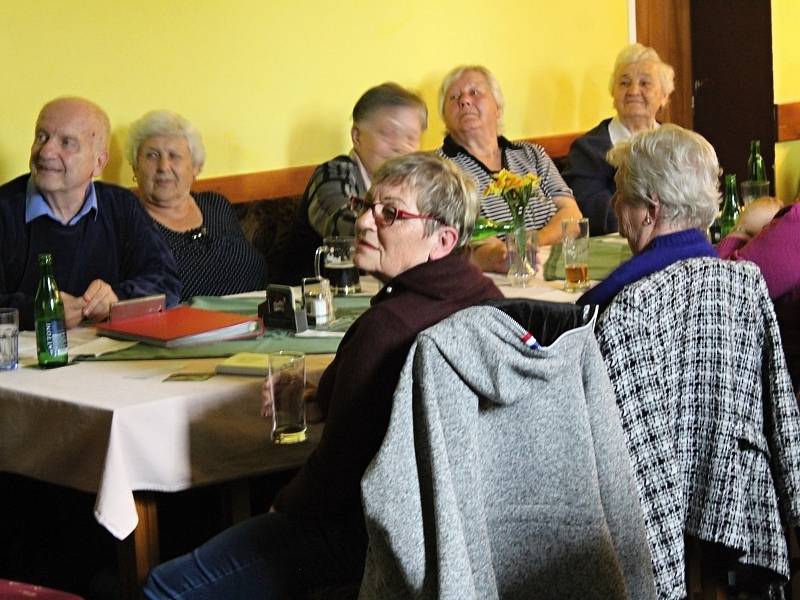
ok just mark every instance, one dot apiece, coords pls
pixel 539 288
pixel 116 427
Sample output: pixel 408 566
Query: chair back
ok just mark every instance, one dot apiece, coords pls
pixel 712 427
pixel 503 473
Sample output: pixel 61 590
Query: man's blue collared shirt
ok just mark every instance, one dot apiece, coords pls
pixel 36 206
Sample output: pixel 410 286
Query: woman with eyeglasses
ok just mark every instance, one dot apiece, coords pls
pixel 410 230
pixel 213 257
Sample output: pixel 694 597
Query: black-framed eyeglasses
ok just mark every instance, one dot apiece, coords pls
pixel 384 214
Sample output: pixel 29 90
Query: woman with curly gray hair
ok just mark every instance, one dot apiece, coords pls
pixel 667 195
pixel 166 153
pixel 640 85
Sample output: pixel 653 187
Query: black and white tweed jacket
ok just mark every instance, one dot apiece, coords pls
pixel 712 424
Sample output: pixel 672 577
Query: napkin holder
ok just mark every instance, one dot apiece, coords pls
pixel 283 309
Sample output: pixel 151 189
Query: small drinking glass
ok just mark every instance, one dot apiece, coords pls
pixel 287 378
pixel 575 246
pixel 753 190
pixel 9 339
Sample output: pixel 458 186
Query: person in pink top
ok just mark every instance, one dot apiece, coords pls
pixel 773 243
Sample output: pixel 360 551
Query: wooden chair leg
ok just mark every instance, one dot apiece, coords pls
pixel 792 591
pixel 706 576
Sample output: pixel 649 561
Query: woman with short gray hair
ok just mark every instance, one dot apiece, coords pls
pixel 667 195
pixel 640 85
pixel 471 104
pixel 442 191
pixel 166 153
pixel 408 229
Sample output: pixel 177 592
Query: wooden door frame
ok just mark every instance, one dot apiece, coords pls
pixel 665 26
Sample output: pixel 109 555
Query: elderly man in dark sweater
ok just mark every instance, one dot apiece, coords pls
pixel 103 244
pixel 410 229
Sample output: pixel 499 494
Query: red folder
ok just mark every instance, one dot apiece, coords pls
pixel 182 326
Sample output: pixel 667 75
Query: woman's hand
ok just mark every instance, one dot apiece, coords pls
pixel 756 215
pixel 274 385
pixel 491 255
pixel 567 209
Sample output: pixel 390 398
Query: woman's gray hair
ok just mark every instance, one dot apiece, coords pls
pixel 634 53
pixel 677 167
pixel 441 190
pixel 166 123
pixel 494 87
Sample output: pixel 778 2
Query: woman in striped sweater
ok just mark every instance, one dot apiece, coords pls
pixel 471 105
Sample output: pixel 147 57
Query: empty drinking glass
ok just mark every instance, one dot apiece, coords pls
pixel 287 376
pixel 9 338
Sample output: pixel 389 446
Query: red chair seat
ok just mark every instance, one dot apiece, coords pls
pixel 14 590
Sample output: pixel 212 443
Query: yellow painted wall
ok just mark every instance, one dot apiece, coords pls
pixel 786 73
pixel 271 84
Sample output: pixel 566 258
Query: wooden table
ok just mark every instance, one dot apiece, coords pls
pixel 126 434
pixel 118 430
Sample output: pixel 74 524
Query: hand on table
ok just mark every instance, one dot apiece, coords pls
pixel 275 384
pixel 73 309
pixel 491 256
pixel 98 299
pixel 756 215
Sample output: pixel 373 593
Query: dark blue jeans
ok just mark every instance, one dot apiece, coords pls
pixel 273 555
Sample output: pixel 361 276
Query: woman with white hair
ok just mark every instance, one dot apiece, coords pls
pixel 166 153
pixel 667 195
pixel 471 105
pixel 640 85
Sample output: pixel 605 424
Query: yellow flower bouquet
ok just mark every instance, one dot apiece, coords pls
pixel 516 190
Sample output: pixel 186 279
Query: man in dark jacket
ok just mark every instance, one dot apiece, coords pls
pixel 103 244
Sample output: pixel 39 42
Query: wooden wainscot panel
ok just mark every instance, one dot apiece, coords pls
pixel 788 117
pixel 556 146
pixel 268 185
pixel 292 181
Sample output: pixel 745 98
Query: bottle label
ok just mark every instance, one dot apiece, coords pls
pixel 55 335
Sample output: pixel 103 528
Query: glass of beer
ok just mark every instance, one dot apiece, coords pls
pixel 287 378
pixel 334 261
pixel 575 246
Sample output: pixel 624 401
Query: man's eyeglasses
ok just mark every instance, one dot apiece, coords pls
pixel 384 214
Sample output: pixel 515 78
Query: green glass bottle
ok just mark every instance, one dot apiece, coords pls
pixel 48 313
pixel 755 163
pixel 730 206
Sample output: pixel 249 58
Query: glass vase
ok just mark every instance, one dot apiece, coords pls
pixel 521 246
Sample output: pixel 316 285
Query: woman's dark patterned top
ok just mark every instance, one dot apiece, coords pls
pixel 215 259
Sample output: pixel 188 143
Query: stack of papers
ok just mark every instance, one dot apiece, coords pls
pixel 244 363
